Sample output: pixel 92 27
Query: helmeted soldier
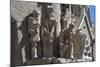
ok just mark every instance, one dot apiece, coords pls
pixel 33 29
pixel 66 46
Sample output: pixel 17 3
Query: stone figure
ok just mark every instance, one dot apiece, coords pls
pixel 33 29
pixel 48 35
pixel 65 38
pixel 78 40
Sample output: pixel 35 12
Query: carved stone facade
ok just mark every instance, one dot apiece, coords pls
pixel 48 33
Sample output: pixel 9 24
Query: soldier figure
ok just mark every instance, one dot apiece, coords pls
pixel 33 29
pixel 66 46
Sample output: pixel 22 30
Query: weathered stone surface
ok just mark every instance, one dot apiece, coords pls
pixel 54 38
pixel 78 45
pixel 16 56
pixel 38 62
